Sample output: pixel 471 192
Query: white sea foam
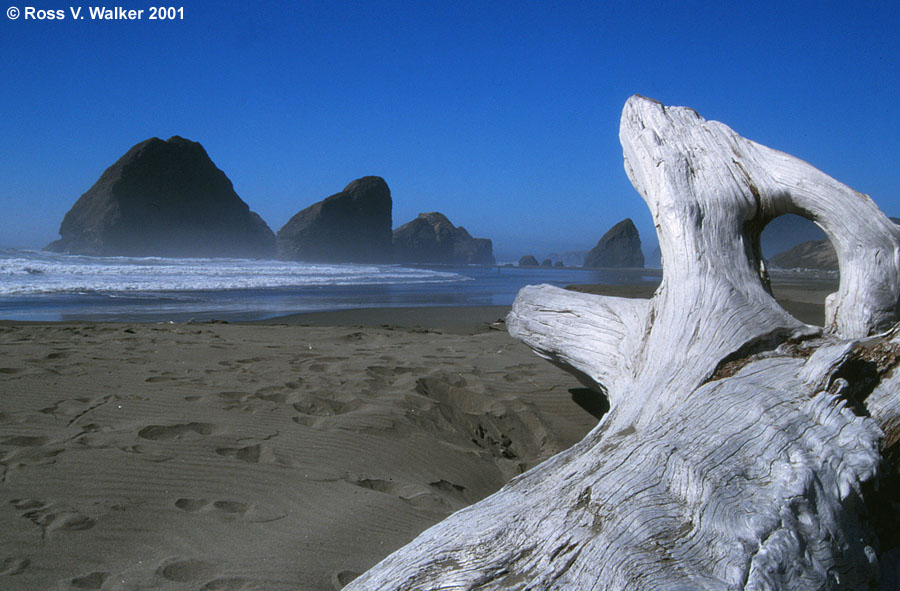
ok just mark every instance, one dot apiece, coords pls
pixel 31 273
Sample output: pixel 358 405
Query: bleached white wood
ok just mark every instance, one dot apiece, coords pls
pixel 738 444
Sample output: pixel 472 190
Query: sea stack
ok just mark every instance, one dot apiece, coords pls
pixel 813 254
pixel 432 238
pixel 164 198
pixel 620 247
pixel 353 226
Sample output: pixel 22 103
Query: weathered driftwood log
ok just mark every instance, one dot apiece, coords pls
pixel 743 449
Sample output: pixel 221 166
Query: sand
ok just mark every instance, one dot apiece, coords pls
pixel 292 454
pixel 258 456
pixel 801 294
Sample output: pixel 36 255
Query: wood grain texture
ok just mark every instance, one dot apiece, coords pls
pixel 743 448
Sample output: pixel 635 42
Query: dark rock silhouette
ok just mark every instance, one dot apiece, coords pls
pixel 619 247
pixel 813 254
pixel 787 231
pixel 572 258
pixel 353 226
pixel 528 261
pixel 432 238
pixel 547 263
pixel 164 198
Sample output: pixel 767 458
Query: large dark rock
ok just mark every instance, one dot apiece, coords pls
pixel 787 231
pixel 528 261
pixel 353 226
pixel 164 198
pixel 813 254
pixel 620 247
pixel 432 238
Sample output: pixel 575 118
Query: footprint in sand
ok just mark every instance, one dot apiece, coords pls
pixel 392 370
pixel 94 580
pixel 376 484
pixel 254 454
pixel 325 407
pixel 69 407
pixel 146 453
pixel 342 579
pixel 251 360
pixel 30 451
pixel 230 510
pixel 274 394
pixel 24 441
pixel 155 379
pixel 14 565
pixel 440 496
pixel 233 399
pixel 166 432
pixel 50 517
pixel 226 507
pixel 191 505
pixel 189 570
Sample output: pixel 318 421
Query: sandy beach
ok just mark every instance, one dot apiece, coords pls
pixel 267 456
pixel 290 454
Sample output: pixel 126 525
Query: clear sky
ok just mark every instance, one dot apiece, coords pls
pixel 502 115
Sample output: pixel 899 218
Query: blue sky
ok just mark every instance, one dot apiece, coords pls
pixel 502 115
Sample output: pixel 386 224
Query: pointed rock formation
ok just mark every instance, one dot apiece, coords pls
pixel 432 238
pixel 528 261
pixel 743 449
pixel 353 226
pixel 620 247
pixel 164 198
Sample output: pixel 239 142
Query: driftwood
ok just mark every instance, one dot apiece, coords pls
pixel 743 449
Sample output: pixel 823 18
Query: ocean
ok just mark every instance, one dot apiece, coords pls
pixel 42 286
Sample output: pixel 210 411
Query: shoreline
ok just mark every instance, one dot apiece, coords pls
pixel 801 295
pixel 294 452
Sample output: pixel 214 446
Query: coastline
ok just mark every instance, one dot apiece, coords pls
pixel 293 452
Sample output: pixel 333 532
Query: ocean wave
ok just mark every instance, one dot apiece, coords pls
pixel 34 272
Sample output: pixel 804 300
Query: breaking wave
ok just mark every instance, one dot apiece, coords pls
pixel 33 272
